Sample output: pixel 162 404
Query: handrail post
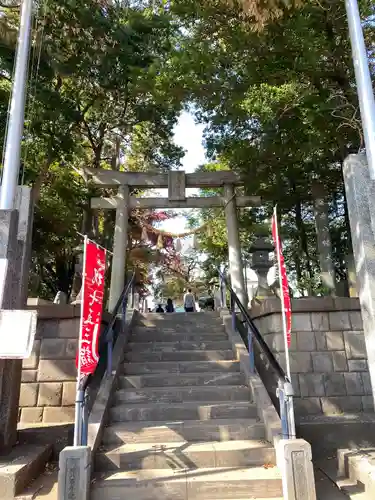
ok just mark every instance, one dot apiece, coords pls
pixel 85 419
pixel 250 342
pixel 221 290
pixel 124 308
pixel 109 351
pixel 289 393
pixel 233 311
pixel 78 416
pixel 280 392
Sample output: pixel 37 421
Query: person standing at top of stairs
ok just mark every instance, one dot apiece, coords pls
pixel 189 301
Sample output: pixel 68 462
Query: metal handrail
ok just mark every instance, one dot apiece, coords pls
pixel 284 391
pixel 121 300
pixel 256 333
pixel 108 331
pixel 82 410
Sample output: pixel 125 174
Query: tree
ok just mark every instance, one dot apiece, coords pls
pixel 171 286
pixel 280 107
pixel 99 98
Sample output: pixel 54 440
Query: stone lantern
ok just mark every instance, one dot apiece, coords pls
pixel 261 263
pixel 76 295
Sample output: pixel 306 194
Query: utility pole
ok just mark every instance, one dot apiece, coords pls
pixel 17 111
pixel 363 79
pixel 15 242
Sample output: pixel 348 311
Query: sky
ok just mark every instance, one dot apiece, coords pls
pixel 189 136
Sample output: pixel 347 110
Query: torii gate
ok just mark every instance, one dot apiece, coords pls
pixel 176 182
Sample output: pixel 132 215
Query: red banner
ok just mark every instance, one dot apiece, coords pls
pixel 284 285
pixel 91 308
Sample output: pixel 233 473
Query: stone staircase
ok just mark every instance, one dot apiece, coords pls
pixel 183 425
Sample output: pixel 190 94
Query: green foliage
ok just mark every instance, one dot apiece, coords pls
pixel 272 80
pixel 57 223
pixel 98 97
pixel 172 287
pixel 281 108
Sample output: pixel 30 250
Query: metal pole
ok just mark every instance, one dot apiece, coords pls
pixel 78 417
pixel 85 420
pixel 288 394
pixel 283 314
pixel 233 312
pixel 223 287
pixel 283 410
pixel 221 290
pixel 251 349
pixel 79 392
pixel 363 79
pixel 288 388
pixel 109 352
pixel 17 111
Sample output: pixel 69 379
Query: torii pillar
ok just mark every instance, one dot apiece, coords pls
pixel 234 245
pixel 120 243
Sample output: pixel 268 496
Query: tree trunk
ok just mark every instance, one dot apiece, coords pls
pixel 297 262
pixel 304 246
pixel 87 220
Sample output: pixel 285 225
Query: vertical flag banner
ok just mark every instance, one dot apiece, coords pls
pixel 91 308
pixel 284 285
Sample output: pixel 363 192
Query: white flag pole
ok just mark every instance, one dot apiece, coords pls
pixel 288 390
pixel 79 392
pixel 283 313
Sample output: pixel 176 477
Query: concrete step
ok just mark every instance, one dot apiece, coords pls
pixel 185 455
pixel 197 317
pixel 326 489
pixel 190 430
pixel 359 468
pixel 207 484
pixel 138 357
pixel 182 394
pixel 180 380
pixel 184 411
pixel 44 487
pixel 170 367
pixel 203 329
pixel 222 345
pixel 21 466
pixel 175 327
pixel 164 335
pixel 331 485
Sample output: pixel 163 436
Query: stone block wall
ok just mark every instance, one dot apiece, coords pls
pixel 328 357
pixel 49 374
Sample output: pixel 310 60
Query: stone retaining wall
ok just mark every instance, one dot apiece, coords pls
pixel 49 375
pixel 327 355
